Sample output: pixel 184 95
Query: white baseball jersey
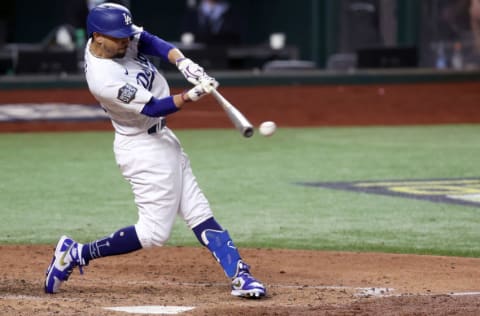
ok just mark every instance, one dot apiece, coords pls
pixel 155 164
pixel 123 86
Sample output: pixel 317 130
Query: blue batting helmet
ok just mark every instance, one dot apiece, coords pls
pixel 111 19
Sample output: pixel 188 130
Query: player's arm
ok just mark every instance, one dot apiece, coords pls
pixel 162 107
pixel 153 45
pixel 192 71
pixel 150 44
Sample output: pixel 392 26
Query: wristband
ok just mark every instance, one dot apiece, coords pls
pixel 183 97
pixel 177 61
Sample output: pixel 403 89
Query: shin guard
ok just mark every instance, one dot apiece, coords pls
pixel 223 249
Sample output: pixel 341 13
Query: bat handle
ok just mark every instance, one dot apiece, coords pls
pixel 216 94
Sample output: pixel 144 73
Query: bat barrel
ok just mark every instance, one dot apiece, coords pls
pixel 236 117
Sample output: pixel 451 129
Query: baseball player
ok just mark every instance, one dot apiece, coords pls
pixel 137 99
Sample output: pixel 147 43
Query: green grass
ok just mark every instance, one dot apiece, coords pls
pixel 56 183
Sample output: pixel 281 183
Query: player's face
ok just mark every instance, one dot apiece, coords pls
pixel 114 47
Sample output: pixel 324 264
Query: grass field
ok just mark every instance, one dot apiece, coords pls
pixel 56 183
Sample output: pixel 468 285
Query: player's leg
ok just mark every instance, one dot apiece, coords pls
pixel 120 242
pixel 70 254
pixel 196 211
pixel 221 245
pixel 154 172
pixel 152 165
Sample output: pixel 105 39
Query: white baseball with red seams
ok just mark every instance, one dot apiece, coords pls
pixel 268 128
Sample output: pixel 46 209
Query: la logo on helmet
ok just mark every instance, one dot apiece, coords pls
pixel 128 19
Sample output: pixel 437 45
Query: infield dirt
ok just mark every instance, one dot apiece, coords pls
pixel 298 282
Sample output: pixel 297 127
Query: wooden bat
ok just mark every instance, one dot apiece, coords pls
pixel 238 119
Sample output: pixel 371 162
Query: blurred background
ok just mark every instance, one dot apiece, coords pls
pixel 339 35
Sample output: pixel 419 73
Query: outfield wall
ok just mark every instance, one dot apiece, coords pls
pixel 290 99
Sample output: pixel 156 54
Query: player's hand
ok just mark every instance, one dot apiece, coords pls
pixel 197 92
pixel 208 83
pixel 190 70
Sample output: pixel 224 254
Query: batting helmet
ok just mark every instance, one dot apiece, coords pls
pixel 111 19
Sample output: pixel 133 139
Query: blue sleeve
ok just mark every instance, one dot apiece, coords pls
pixel 159 107
pixel 153 45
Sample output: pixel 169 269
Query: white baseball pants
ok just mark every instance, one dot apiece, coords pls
pixel 162 182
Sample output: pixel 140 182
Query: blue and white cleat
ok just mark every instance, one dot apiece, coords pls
pixel 65 259
pixel 245 285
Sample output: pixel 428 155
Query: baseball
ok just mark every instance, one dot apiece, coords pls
pixel 267 128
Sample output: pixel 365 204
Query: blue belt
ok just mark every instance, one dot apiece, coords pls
pixel 157 127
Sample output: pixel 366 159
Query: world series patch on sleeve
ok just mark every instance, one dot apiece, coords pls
pixel 127 93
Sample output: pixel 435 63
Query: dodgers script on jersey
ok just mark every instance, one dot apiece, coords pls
pixel 123 87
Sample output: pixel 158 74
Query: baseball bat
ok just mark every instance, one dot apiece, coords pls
pixel 238 119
